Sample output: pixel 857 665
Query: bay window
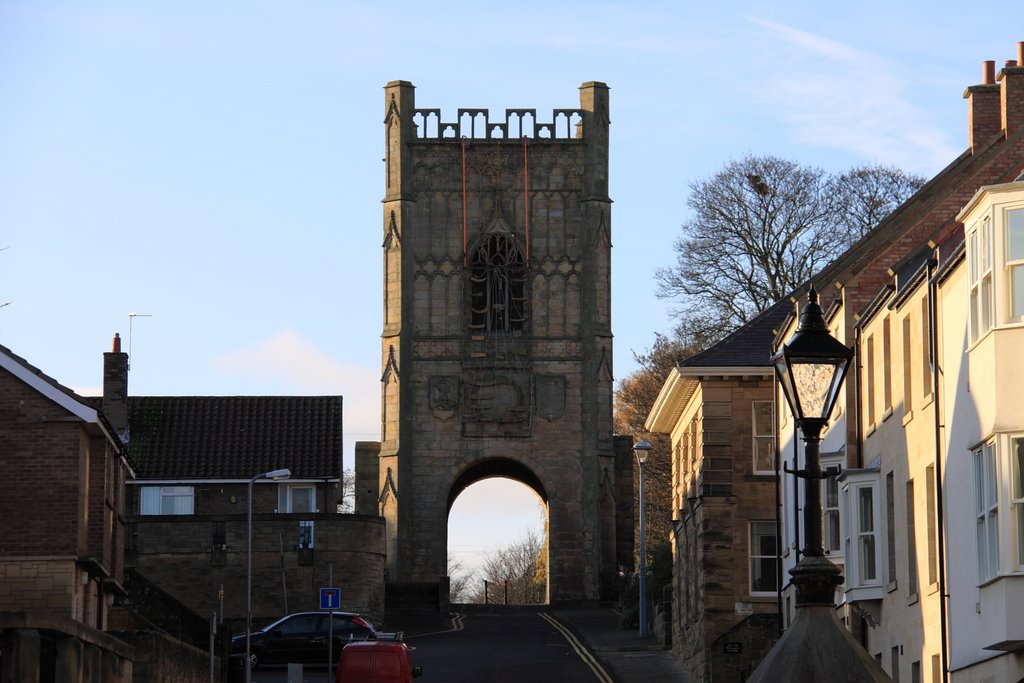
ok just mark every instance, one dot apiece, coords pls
pixel 860 510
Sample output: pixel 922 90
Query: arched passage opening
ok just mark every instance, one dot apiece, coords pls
pixel 497 532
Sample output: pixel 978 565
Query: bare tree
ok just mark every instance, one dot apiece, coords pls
pixel 867 194
pixel 347 493
pixel 459 581
pixel 512 570
pixel 761 227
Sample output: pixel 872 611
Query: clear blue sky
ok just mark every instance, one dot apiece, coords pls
pixel 217 165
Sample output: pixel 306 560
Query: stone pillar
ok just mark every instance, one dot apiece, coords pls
pixel 367 484
pixel 69 660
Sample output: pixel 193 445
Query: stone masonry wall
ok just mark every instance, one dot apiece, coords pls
pixel 176 554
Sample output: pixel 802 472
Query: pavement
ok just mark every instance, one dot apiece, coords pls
pixel 629 658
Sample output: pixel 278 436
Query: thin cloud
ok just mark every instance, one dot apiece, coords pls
pixel 834 95
pixel 288 360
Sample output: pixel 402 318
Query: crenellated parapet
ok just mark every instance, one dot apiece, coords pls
pixel 566 124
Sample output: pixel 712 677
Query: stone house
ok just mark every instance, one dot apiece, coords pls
pixel 62 546
pixel 717 408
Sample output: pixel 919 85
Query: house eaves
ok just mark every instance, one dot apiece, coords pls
pixel 675 393
pixel 58 394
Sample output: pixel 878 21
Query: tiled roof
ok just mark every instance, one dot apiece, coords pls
pixel 234 437
pixel 748 346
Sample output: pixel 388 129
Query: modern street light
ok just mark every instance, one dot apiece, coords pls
pixel 275 475
pixel 810 369
pixel 641 449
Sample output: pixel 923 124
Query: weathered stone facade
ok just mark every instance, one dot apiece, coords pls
pixel 497 345
pixel 194 557
pixel 722 627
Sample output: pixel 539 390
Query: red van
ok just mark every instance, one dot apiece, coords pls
pixel 376 661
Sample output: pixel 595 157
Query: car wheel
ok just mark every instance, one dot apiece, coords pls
pixel 255 659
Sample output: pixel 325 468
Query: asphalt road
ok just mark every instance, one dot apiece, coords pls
pixel 517 647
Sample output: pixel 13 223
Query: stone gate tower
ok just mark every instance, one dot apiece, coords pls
pixel 497 344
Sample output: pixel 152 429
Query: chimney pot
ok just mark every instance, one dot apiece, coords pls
pixel 1011 62
pixel 117 343
pixel 1020 53
pixel 988 72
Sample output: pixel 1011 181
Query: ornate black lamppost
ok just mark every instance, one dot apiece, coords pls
pixel 811 368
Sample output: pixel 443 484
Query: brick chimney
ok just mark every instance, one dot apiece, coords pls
pixel 983 112
pixel 1011 93
pixel 115 388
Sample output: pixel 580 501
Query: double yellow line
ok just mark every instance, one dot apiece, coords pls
pixel 580 649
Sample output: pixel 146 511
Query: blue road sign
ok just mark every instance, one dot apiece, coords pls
pixel 330 598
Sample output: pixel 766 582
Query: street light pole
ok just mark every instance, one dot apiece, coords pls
pixel 275 475
pixel 640 450
pixel 810 369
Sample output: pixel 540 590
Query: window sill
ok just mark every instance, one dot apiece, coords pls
pixel 859 593
pixel 887 414
pixel 912 599
pixel 926 401
pixel 891 586
pixel 760 597
pixel 908 417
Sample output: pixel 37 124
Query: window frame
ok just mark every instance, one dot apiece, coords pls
pixel 161 494
pixel 497 284
pixel 286 498
pixel 979 277
pixel 856 538
pixel 1011 265
pixel 1016 497
pixel 834 463
pixel 985 468
pixel 759 440
pixel 761 557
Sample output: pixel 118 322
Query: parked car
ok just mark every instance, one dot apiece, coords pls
pixel 302 638
pixel 376 661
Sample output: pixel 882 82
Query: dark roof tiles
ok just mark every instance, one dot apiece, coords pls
pixel 234 437
pixel 747 346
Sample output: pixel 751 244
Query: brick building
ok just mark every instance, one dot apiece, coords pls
pixel 61 546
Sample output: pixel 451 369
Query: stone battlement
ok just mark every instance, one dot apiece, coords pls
pixel 566 124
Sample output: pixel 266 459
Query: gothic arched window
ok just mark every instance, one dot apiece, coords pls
pixel 497 284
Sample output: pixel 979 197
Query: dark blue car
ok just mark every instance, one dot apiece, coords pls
pixel 302 638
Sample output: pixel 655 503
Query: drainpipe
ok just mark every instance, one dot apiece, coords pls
pixel 933 352
pixel 778 513
pixel 858 410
